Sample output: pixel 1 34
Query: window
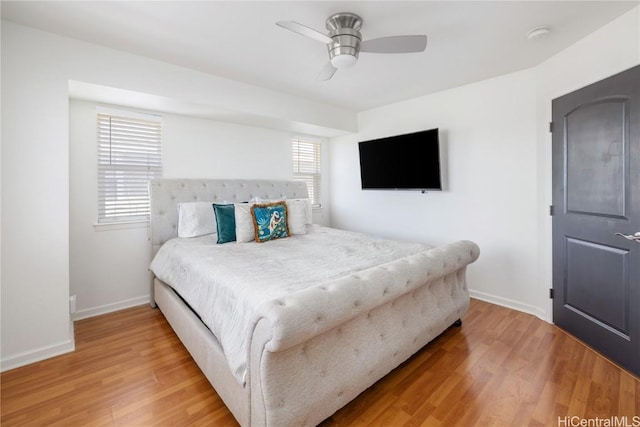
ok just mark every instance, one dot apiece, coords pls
pixel 129 155
pixel 306 166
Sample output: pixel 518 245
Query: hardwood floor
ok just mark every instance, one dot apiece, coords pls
pixel 501 368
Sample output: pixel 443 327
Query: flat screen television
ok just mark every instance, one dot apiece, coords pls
pixel 403 162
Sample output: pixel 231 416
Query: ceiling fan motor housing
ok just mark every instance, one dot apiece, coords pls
pixel 344 30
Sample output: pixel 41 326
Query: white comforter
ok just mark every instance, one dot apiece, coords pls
pixel 226 284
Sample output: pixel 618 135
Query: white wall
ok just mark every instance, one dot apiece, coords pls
pixel 35 200
pixel 498 157
pixel 36 70
pixel 488 138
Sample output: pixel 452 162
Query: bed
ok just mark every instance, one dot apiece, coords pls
pixel 334 328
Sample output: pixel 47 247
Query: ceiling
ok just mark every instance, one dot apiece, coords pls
pixel 468 40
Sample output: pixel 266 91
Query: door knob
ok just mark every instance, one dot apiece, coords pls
pixel 635 237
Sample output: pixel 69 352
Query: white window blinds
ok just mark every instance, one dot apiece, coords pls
pixel 306 166
pixel 129 155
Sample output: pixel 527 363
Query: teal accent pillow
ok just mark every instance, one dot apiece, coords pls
pixel 225 222
pixel 270 221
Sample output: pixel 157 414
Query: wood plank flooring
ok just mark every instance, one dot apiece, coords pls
pixel 501 368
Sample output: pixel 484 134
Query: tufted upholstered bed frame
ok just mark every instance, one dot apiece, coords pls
pixel 308 363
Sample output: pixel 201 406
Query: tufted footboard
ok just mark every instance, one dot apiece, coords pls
pixel 312 354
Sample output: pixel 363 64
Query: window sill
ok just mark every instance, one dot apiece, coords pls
pixel 109 226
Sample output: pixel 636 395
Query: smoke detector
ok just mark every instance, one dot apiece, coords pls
pixel 539 32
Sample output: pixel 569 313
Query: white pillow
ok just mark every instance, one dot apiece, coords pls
pixel 244 222
pixel 298 215
pixel 196 219
pixel 307 207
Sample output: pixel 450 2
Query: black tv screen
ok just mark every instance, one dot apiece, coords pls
pixel 403 162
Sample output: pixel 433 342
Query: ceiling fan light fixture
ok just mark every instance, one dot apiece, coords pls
pixel 344 42
pixel 343 61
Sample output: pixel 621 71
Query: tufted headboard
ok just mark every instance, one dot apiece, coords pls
pixel 167 193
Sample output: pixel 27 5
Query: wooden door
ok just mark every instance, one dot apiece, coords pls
pixel 596 202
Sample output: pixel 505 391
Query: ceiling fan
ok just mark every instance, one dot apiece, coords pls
pixel 345 43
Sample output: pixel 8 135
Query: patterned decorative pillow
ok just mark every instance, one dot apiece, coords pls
pixel 270 221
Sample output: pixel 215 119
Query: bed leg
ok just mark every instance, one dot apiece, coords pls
pixel 457 323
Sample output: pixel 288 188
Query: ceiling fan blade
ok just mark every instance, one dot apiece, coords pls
pixel 326 72
pixel 304 30
pixel 395 44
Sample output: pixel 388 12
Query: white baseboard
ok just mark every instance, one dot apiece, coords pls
pixel 509 303
pixel 108 308
pixel 53 350
pixel 39 354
